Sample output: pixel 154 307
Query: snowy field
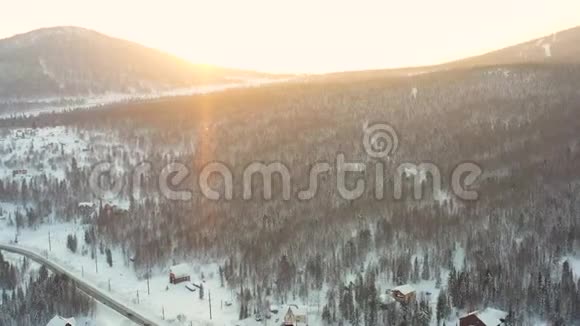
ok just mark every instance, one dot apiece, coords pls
pixel 20 147
pixel 47 151
pixel 104 316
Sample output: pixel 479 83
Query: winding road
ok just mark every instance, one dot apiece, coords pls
pixel 89 289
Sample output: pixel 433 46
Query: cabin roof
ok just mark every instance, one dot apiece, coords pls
pixel 404 289
pixel 489 316
pixel 180 270
pixel 86 204
pixel 59 321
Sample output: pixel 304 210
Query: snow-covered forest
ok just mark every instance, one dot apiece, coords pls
pixel 516 248
pixel 35 300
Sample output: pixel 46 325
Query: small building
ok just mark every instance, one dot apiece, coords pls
pixel 59 321
pixel 485 317
pixel 86 207
pixel 179 273
pixel 404 293
pixel 112 209
pixel 19 172
pixel 295 317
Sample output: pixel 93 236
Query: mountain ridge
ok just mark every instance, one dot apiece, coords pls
pixel 539 50
pixel 74 61
pixel 67 65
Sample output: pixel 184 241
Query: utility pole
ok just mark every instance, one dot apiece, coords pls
pixel 109 285
pixel 96 259
pixel 148 290
pixel 49 243
pixel 148 277
pixel 209 297
pixel 137 296
pixel 163 312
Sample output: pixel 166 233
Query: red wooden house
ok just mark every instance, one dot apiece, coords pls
pixel 179 273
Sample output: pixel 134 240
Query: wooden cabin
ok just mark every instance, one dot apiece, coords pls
pixel 404 293
pixel 486 317
pixel 179 273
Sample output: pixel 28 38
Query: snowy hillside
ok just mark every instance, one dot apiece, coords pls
pixel 70 66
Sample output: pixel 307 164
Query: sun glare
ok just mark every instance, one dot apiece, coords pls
pixel 305 36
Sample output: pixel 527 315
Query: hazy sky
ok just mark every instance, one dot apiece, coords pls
pixel 304 35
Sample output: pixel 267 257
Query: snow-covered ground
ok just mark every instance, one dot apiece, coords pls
pixel 164 299
pixel 104 316
pixel 28 153
pixel 39 151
